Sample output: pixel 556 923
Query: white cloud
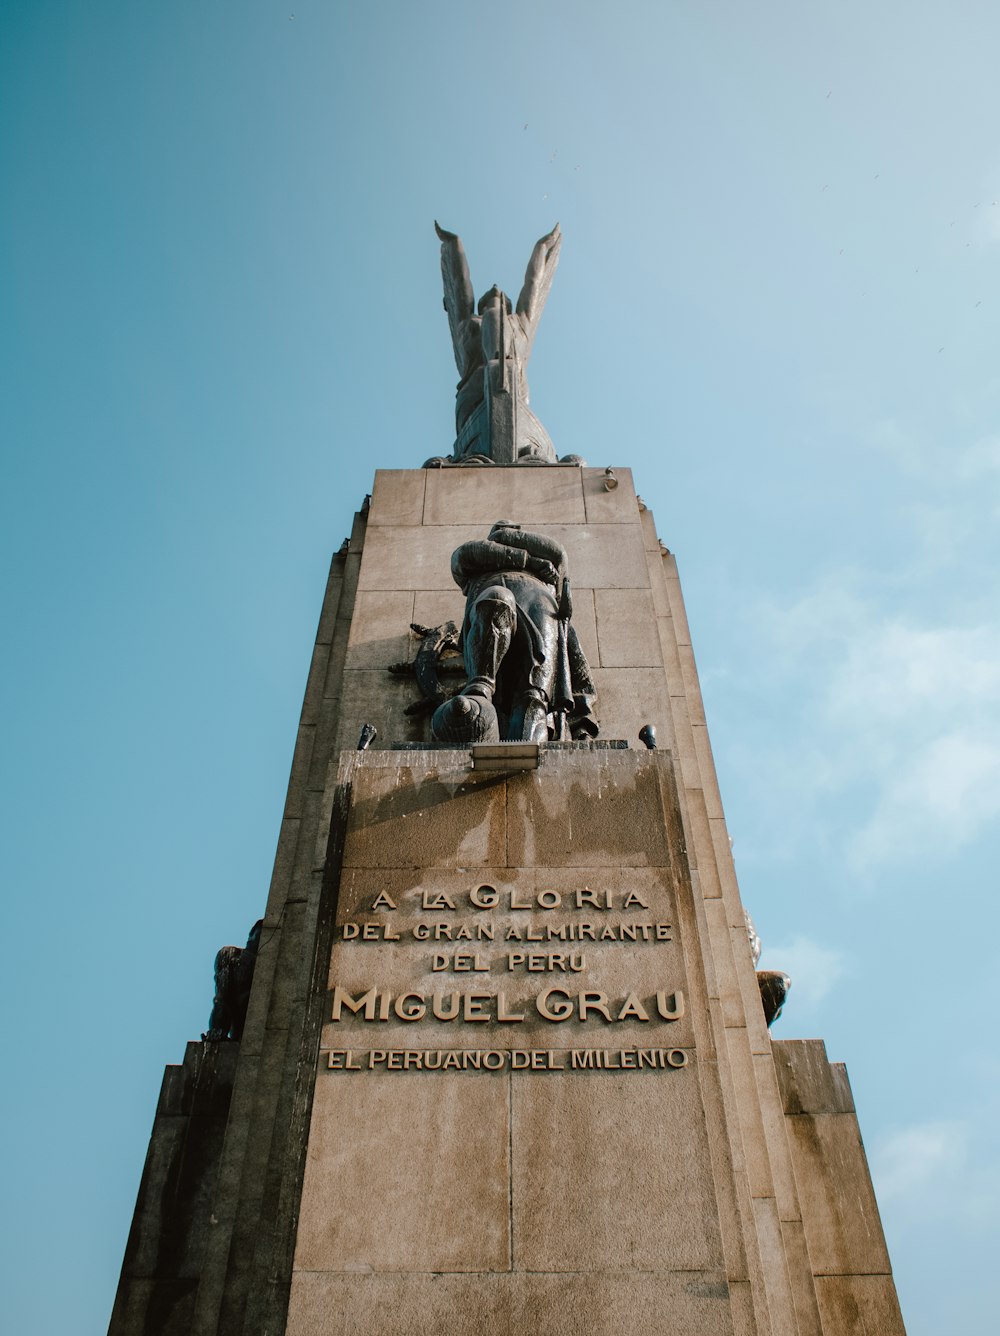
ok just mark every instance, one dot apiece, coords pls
pixel 904 714
pixel 928 458
pixel 912 1158
pixel 948 790
pixel 812 968
pixel 980 458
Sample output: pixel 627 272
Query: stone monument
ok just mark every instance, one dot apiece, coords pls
pixel 506 1064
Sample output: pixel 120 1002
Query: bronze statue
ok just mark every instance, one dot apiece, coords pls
pixel 528 678
pixel 492 346
pixel 773 985
pixel 234 966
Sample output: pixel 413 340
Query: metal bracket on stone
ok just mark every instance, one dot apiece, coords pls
pixel 505 757
pixel 438 654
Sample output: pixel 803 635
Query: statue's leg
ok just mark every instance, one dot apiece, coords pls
pixel 529 717
pixel 492 619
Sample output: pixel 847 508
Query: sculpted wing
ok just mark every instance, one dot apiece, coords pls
pixel 459 298
pixel 537 281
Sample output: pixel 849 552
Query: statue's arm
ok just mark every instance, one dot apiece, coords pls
pixel 538 546
pixel 459 298
pixel 482 555
pixel 538 280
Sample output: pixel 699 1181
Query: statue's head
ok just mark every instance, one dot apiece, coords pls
pixel 493 298
pixel 501 525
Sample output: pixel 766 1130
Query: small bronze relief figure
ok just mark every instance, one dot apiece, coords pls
pixel 527 676
pixel 438 654
pixel 234 966
pixel 773 985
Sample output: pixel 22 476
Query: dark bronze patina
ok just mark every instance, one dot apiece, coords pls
pixel 528 678
pixel 234 966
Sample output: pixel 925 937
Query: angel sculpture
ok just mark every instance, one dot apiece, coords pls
pixel 492 346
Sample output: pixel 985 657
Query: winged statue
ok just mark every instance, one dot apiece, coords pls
pixel 492 343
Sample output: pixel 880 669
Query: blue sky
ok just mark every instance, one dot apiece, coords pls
pixel 778 302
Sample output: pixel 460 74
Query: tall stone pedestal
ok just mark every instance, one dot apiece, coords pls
pixel 505 1066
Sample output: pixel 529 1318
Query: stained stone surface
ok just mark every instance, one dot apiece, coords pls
pixel 546 1173
pixel 569 1190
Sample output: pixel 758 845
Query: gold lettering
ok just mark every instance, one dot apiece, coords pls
pixel 633 1007
pixel 415 1011
pixel 383 901
pixel 634 898
pixel 554 1004
pixel 502 1013
pixel 549 899
pixel 594 1001
pixel 366 1002
pixel 473 1010
pixel 439 962
pixel 436 900
pixel 672 1010
pixel 663 932
pixel 349 930
pixel 485 897
pixel 443 1013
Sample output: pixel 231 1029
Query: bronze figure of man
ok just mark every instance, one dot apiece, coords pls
pixel 522 655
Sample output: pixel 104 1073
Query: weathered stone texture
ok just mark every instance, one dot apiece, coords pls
pixel 840 1219
pixel 728 1196
pixel 165 1254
